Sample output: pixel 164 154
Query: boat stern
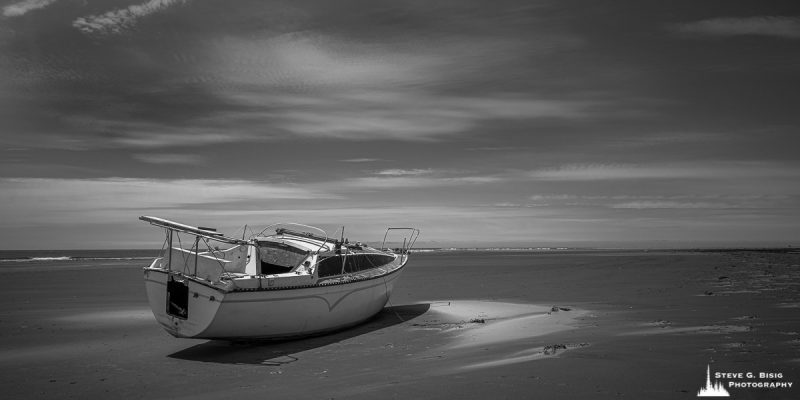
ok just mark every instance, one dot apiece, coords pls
pixel 184 307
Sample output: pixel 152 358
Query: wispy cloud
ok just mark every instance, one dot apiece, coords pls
pixel 666 204
pixel 23 7
pixel 41 198
pixel 295 85
pixel 785 27
pixel 396 114
pixel 361 160
pixel 313 61
pixel 405 172
pixel 661 139
pixel 578 172
pixel 105 210
pixel 413 181
pixel 123 19
pixel 507 204
pixel 154 134
pixel 687 170
pixel 171 136
pixel 413 178
pixel 644 202
pixel 169 158
pixel 718 202
pixel 321 86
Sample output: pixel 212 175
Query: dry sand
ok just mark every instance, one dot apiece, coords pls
pixel 469 325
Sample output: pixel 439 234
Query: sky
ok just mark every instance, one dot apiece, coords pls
pixel 482 123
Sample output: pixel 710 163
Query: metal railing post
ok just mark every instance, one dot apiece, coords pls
pixel 169 260
pixel 196 252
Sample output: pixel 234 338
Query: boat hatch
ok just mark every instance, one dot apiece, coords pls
pixel 279 257
pixel 177 298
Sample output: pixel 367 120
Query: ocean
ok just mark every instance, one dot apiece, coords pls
pixel 41 256
pixel 15 257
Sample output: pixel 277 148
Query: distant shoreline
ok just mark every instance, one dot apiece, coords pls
pixel 144 254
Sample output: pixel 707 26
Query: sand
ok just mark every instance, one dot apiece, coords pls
pixel 471 325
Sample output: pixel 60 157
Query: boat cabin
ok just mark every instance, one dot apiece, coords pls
pixel 287 258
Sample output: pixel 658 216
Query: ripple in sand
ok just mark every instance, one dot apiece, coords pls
pixel 526 355
pixel 116 317
pixel 700 330
pixel 481 323
pixel 483 334
pixel 658 324
pixel 745 318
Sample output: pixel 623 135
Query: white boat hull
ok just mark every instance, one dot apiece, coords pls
pixel 295 282
pixel 214 313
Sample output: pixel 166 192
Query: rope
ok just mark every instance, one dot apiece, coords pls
pixel 389 300
pixel 212 251
pixel 185 260
pixel 221 266
pixel 166 241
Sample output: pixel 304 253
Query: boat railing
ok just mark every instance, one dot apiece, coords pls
pixel 215 264
pixel 298 230
pixel 195 260
pixel 409 239
pixel 207 233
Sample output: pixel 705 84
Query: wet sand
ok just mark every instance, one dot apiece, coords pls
pixel 469 325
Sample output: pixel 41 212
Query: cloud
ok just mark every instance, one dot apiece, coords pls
pixel 687 170
pixel 579 172
pixel 402 172
pixel 397 114
pixel 320 86
pixel 412 181
pixel 104 211
pixel 39 199
pixel 660 204
pixel 395 178
pixel 171 137
pixel 132 133
pixel 169 158
pixel 123 19
pixel 23 7
pixel 259 87
pixel 785 27
pixel 718 202
pixel 361 160
pixel 668 138
pixel 644 202
pixel 517 205
pixel 313 61
pixel 451 222
pixel 296 85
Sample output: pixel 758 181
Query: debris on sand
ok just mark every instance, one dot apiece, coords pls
pixel 552 349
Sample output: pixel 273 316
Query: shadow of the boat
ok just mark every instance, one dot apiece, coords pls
pixel 274 352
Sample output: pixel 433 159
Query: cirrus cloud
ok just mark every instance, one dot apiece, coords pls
pixel 123 19
pixel 685 170
pixel 23 7
pixel 37 199
pixel 169 158
pixel 785 27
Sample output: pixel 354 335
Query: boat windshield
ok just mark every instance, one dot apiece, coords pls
pixel 279 257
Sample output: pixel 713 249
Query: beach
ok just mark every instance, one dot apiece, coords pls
pixel 460 324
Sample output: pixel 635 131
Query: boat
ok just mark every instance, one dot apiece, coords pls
pixel 289 280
